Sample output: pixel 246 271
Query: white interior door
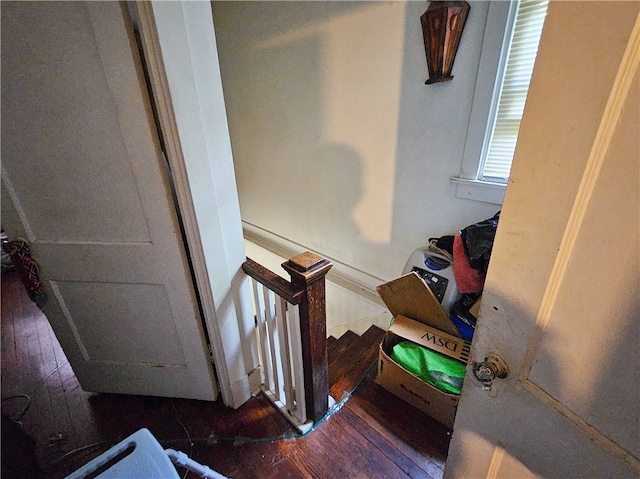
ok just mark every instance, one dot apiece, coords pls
pixel 81 161
pixel 561 300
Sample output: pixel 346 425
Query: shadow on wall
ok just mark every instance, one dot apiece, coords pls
pixel 338 166
pixel 306 184
pixel 308 80
pixel 296 177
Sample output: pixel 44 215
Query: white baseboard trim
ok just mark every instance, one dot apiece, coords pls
pixel 342 274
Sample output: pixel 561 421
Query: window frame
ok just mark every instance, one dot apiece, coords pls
pixel 501 18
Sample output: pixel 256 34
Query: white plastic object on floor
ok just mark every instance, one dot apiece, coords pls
pixel 181 459
pixel 139 456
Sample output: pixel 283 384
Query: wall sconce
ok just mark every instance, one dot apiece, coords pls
pixel 442 26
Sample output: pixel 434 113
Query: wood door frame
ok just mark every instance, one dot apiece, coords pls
pixel 172 33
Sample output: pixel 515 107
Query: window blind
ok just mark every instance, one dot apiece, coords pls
pixel 513 90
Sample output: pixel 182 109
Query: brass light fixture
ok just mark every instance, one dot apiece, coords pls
pixel 442 26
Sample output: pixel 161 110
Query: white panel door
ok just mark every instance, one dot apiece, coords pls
pixel 561 301
pixel 81 160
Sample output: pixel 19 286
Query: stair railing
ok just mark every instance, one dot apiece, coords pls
pixel 292 336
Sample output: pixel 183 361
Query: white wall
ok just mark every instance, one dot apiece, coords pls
pixel 338 144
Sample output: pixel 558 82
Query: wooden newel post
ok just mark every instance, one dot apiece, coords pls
pixel 307 271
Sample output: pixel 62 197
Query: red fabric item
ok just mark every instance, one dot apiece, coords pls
pixel 468 280
pixel 28 270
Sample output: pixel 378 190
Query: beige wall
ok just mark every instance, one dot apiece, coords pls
pixel 338 144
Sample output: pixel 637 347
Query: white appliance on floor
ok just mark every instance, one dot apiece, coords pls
pixel 437 271
pixel 141 456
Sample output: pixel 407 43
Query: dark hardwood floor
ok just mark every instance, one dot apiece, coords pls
pixel 373 434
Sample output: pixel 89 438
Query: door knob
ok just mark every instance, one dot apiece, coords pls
pixel 492 367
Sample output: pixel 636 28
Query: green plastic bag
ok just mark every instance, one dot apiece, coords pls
pixel 441 372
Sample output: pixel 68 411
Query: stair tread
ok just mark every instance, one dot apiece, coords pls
pixel 346 369
pixel 341 345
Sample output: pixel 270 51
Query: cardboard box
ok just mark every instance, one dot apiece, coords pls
pixel 475 309
pixel 425 328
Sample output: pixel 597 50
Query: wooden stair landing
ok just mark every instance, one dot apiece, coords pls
pixel 373 434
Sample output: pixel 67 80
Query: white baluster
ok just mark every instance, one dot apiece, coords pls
pixel 296 362
pixel 262 332
pixel 274 347
pixel 285 356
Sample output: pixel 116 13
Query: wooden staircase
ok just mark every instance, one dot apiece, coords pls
pixel 350 358
pixel 371 433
